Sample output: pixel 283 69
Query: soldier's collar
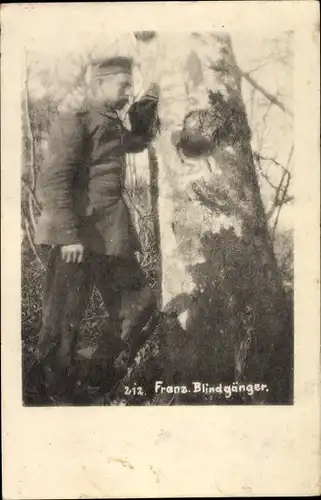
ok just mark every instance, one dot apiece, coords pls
pixel 104 109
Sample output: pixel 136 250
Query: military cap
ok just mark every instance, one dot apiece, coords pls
pixel 112 66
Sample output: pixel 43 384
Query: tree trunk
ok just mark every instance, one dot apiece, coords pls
pixel 225 314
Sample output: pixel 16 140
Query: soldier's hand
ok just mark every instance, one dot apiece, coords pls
pixel 72 253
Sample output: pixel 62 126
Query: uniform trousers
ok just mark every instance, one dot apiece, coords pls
pixel 67 289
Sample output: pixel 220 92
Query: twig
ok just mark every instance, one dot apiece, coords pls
pixel 278 203
pixel 31 213
pixel 29 130
pixel 264 118
pixel 266 177
pixel 30 338
pixel 32 150
pixel 128 196
pixel 253 90
pixel 91 318
pixel 280 206
pixel 270 97
pixel 273 160
pixel 278 189
pixel 260 66
pixel 285 260
pixel 32 194
pixel 287 199
pixel 31 242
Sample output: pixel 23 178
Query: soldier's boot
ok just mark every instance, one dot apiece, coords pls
pixel 138 310
pixel 44 365
pixel 103 373
pixel 66 364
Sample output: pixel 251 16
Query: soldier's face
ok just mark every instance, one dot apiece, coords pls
pixel 116 90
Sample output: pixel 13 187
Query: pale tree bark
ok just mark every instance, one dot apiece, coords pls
pixel 225 315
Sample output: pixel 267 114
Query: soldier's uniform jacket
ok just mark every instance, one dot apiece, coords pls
pixel 82 184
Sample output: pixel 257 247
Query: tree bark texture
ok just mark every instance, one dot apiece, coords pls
pixel 225 316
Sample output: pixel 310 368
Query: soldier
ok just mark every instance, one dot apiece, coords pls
pixel 85 220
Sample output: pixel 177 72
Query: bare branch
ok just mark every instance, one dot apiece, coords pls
pixel 280 206
pixel 32 151
pixel 285 190
pixel 259 66
pixel 266 177
pixel 29 129
pixel 129 198
pixel 287 199
pixel 31 241
pixel 268 95
pixel 277 203
pixel 264 118
pixel 288 256
pixel 273 160
pixel 32 213
pixel 32 194
pixel 92 318
pixel 285 173
pixel 253 90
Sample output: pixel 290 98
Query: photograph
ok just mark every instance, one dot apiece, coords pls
pixel 157 218
pixel 160 328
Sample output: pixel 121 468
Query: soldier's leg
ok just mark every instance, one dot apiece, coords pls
pixel 102 370
pixel 130 302
pixel 112 300
pixel 79 283
pixel 50 327
pixel 138 300
pixel 52 304
pixel 125 291
pixel 66 291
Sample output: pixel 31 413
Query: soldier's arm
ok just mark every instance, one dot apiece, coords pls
pixel 65 152
pixel 134 143
pixel 144 120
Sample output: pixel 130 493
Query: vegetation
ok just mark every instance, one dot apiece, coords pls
pixel 274 176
